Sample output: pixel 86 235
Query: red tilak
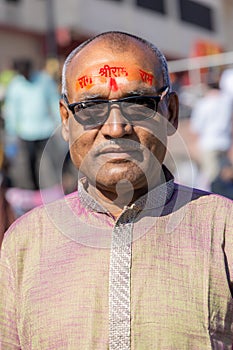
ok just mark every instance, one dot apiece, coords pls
pixel 113 84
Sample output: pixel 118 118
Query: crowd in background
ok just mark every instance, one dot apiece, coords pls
pixel 205 158
pixel 31 145
pixel 32 151
pixel 211 120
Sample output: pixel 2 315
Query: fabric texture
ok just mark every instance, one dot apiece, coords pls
pixel 55 268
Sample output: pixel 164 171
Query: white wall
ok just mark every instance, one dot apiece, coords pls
pixel 171 35
pixel 90 17
pixel 15 46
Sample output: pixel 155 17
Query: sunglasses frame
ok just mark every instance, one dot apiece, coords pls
pixel 71 106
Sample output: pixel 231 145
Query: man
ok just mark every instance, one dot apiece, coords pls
pixel 131 261
pixel 214 135
pixel 31 113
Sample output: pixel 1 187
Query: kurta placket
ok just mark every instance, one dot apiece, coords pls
pixel 119 280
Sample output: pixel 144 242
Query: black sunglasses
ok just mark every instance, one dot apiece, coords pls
pixel 93 113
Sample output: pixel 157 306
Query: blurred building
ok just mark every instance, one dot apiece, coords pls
pixel 28 27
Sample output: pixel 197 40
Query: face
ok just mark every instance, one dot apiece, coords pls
pixel 118 150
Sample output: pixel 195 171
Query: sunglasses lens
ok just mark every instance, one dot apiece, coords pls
pixel 94 113
pixel 139 108
pixel 91 113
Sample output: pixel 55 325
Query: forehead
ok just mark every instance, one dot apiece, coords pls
pixel 135 57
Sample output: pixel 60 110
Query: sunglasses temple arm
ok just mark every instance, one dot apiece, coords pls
pixel 164 93
pixel 64 97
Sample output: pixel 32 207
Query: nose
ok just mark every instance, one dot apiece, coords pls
pixel 116 125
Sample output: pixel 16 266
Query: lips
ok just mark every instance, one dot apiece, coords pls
pixel 117 150
pixel 118 147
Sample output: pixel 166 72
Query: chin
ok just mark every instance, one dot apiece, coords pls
pixel 123 177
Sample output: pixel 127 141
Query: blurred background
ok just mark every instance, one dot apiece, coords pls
pixel 194 35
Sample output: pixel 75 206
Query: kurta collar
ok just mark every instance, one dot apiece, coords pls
pixel 155 198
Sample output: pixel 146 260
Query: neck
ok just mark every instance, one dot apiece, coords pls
pixel 115 202
pixel 123 194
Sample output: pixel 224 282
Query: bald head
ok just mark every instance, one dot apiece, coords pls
pixel 119 42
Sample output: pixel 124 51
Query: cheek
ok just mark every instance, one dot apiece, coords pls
pixel 155 142
pixel 152 134
pixel 159 151
pixel 80 143
pixel 76 155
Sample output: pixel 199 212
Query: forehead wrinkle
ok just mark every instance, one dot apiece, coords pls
pixel 154 67
pixel 106 49
pixel 140 92
pixel 89 96
pixel 96 93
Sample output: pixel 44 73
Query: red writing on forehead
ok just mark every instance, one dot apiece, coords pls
pixel 109 72
pixel 146 77
pixel 84 81
pixel 113 84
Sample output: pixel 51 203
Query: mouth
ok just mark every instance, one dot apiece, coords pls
pixel 120 156
pixel 117 150
pixel 120 152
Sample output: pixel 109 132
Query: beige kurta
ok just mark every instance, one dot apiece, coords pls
pixel 54 275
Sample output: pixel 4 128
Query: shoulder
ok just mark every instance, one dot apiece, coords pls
pixel 16 83
pixel 44 78
pixel 42 221
pixel 206 203
pixel 200 213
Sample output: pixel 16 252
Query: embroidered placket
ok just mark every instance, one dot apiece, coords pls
pixel 119 281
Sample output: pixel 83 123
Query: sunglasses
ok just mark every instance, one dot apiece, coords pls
pixel 93 113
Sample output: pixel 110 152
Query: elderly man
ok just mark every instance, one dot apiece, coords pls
pixel 132 260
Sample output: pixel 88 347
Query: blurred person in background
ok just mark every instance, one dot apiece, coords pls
pixel 6 75
pixel 31 115
pixel 211 121
pixel 7 215
pixel 223 183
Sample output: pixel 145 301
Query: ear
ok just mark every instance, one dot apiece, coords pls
pixel 173 110
pixel 65 120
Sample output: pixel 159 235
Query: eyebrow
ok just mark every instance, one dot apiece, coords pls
pixel 91 97
pixel 148 91
pixel 138 92
pixel 142 91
